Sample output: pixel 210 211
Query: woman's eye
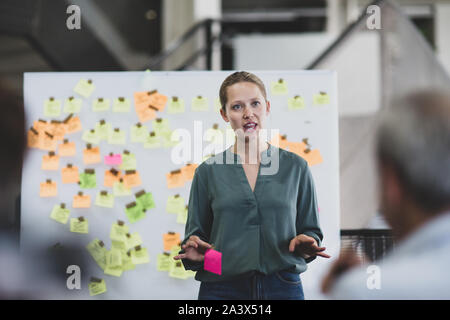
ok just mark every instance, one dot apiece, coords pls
pixel 236 106
pixel 255 103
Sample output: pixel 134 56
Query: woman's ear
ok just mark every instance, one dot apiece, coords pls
pixel 267 107
pixel 224 115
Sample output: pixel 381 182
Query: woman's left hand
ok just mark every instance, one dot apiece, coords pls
pixel 307 245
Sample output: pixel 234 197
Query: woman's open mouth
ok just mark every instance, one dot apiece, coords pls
pixel 250 127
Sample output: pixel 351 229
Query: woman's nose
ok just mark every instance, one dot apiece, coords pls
pixel 247 112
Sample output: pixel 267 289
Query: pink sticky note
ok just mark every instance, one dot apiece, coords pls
pixel 213 261
pixel 114 159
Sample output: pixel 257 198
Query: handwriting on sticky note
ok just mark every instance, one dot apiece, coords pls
pixel 79 225
pixel 175 179
pixel 50 161
pixel 200 103
pixel 121 104
pixel 321 98
pixel 279 87
pixel 100 104
pixel 81 201
pixel 97 250
pixel 91 155
pixel 213 261
pixel 60 213
pixel 48 189
pixel 170 239
pixel 97 286
pixel 84 87
pixel 296 103
pixel 110 177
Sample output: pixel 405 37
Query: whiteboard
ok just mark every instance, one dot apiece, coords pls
pixel 317 123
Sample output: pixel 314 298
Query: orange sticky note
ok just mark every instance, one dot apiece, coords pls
pixel 41 125
pixel 158 100
pixel 67 149
pixel 175 179
pixel 110 177
pixel 142 99
pixel 73 124
pixel 297 148
pixel 34 138
pixel 48 189
pixel 81 200
pixel 48 142
pixel 170 239
pixel 280 142
pixel 188 171
pixel 131 179
pixel 91 155
pixel 57 129
pixel 146 113
pixel 50 161
pixel 313 157
pixel 70 174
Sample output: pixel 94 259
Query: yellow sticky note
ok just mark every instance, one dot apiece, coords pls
pixel 182 215
pixel 321 98
pixel 100 104
pixel 48 189
pixel 279 87
pixel 170 239
pixel 175 179
pixel 131 179
pixel 81 201
pixel 127 262
pixel 60 213
pixel 50 162
pixel 119 231
pixel 117 136
pixel 84 88
pixel 176 105
pixel 133 240
pixel 217 104
pixel 153 141
pixel 138 133
pixel 91 155
pixel 296 103
pixel 214 135
pixel 121 104
pixel 163 262
pixel 119 190
pixel 96 287
pixel 114 263
pixel 176 270
pixel 175 204
pixel 104 199
pixel 72 105
pixel 102 129
pixel 91 136
pixel 98 251
pixel 139 255
pixel 79 225
pixel 52 107
pixel 200 103
pixel 67 149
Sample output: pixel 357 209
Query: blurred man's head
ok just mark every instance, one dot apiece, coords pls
pixel 414 160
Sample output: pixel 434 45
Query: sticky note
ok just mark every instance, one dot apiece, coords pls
pixel 97 287
pixel 79 225
pixel 170 239
pixel 48 142
pixel 97 250
pixel 176 105
pixel 199 103
pixel 119 231
pixel 119 245
pixel 128 161
pixel 163 262
pixel 33 138
pixel 134 212
pixel 70 174
pixel 133 240
pixel 48 189
pixel 67 149
pixel 41 125
pixel 73 125
pixel 158 100
pixel 110 177
pixel 60 213
pixel 91 155
pixel 131 179
pixel 313 157
pixel 114 263
pixel 182 215
pixel 175 179
pixel 279 87
pixel 52 107
pixel 169 140
pixel 57 129
pixel 117 136
pixel 81 201
pixel 188 171
pixel 297 148
pixel 91 136
pixel 139 255
pixel 145 199
pixel 146 113
pixel 217 104
pixel 119 190
pixel 138 133
pixel 84 88
pixel 104 199
pixel 50 162
pixel 321 98
pixel 213 261
pixel 113 159
pixel 72 105
pixel 142 99
pixel 177 270
pixel 121 104
pixel 127 262
pixel 280 141
pixel 102 128
pixel 100 104
pixel 152 141
pixel 160 126
pixel 88 180
pixel 214 135
pixel 296 103
pixel 175 204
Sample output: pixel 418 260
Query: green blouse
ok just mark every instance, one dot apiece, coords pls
pixel 252 230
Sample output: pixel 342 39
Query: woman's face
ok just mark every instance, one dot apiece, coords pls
pixel 246 109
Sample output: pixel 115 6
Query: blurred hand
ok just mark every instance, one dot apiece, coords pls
pixel 307 246
pixel 194 249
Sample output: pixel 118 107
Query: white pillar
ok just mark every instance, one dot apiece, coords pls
pixel 442 25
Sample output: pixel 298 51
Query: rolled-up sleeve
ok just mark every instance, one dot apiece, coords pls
pixel 200 215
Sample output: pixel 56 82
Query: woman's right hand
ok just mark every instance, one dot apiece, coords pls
pixel 194 249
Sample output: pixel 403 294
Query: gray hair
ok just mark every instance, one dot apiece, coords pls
pixel 414 137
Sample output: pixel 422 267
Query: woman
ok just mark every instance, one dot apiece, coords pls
pixel 265 225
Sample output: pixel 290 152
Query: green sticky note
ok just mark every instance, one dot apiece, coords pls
pixel 161 126
pixel 163 262
pixel 217 105
pixel 153 141
pixel 102 129
pixel 176 270
pixel 98 252
pixel 117 137
pixel 182 216
pixel 133 240
pixel 279 87
pixel 168 140
pixel 199 103
pixel 121 105
pixel 119 190
pixel 127 263
pixel 296 103
pixel 138 133
pixel 96 288
pixel 52 107
pixel 106 201
pixel 72 105
pixel 175 204
pixel 321 98
pixel 176 106
pixel 60 214
pixel 118 232
pixel 88 180
pixel 84 88
pixel 135 213
pixel 113 258
pixel 128 161
pixel 91 136
pixel 118 245
pixel 100 104
pixel 139 256
pixel 79 226
pixel 146 201
pixel 114 271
